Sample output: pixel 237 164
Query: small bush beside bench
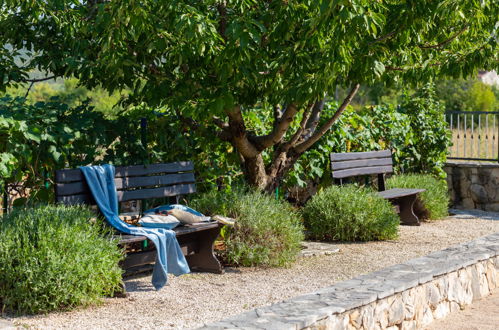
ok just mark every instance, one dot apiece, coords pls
pixel 267 232
pixel 54 258
pixel 350 213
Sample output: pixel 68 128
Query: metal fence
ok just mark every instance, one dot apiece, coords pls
pixel 475 135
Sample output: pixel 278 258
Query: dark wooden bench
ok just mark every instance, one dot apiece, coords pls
pixel 351 164
pixel 170 180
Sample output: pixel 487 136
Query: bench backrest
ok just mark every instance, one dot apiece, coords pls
pixel 132 183
pixel 349 164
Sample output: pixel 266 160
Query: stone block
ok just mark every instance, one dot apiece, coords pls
pixel 396 311
pixel 427 317
pixel 381 313
pixel 408 325
pixel 479 194
pixel 367 315
pixel 442 310
pixel 468 203
pixel 408 301
pixel 432 295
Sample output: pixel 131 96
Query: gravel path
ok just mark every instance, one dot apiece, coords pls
pixel 194 299
pixel 483 314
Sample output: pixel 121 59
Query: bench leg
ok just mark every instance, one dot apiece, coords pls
pixel 204 260
pixel 407 216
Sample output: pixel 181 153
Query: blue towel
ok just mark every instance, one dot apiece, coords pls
pixel 169 257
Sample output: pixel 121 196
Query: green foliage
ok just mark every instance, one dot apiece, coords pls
pixel 37 139
pixel 54 258
pixel 416 132
pixel 480 97
pixel 350 213
pixel 267 232
pixel 436 197
pixel 68 91
pixel 466 95
pixel 427 150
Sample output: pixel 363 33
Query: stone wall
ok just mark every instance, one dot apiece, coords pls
pixel 473 185
pixel 405 296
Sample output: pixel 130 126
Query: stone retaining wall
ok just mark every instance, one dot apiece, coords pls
pixel 405 296
pixel 473 185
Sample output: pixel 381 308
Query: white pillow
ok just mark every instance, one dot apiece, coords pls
pixel 159 221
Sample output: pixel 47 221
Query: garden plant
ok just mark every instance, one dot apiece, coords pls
pixel 267 232
pixel 350 213
pixel 53 257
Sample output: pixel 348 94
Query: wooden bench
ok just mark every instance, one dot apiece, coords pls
pixel 170 180
pixel 350 164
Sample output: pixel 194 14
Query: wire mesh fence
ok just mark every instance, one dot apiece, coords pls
pixel 474 135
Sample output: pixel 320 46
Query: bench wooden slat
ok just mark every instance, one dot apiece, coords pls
pixel 72 175
pixel 138 170
pixel 168 191
pixel 399 192
pixel 81 187
pixel 157 180
pixel 362 171
pixel 76 199
pixel 343 165
pixel 336 157
pixel 179 231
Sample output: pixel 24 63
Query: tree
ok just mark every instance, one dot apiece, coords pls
pixel 480 97
pixel 217 61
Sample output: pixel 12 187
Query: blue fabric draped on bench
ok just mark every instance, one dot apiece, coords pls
pixel 169 257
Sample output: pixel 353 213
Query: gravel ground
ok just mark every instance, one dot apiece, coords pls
pixel 483 314
pixel 192 300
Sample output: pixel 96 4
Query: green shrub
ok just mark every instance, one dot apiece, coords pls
pixel 267 232
pixel 435 199
pixel 350 213
pixel 55 258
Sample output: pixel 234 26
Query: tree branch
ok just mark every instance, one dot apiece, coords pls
pixel 313 120
pixel 222 25
pixel 40 79
pixel 238 132
pixel 280 128
pixel 298 134
pixel 445 42
pixel 302 147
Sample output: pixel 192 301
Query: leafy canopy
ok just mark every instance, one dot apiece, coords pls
pixel 240 52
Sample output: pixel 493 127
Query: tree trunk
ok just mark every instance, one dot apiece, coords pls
pixel 254 171
pixel 286 152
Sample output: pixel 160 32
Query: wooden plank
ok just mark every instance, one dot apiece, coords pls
pixel 168 191
pixel 138 170
pixel 362 171
pixel 68 175
pixel 71 175
pixel 183 230
pixel 343 165
pixel 157 180
pixel 337 157
pixel 127 239
pixel 399 192
pixel 76 199
pixel 139 258
pixel 72 188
